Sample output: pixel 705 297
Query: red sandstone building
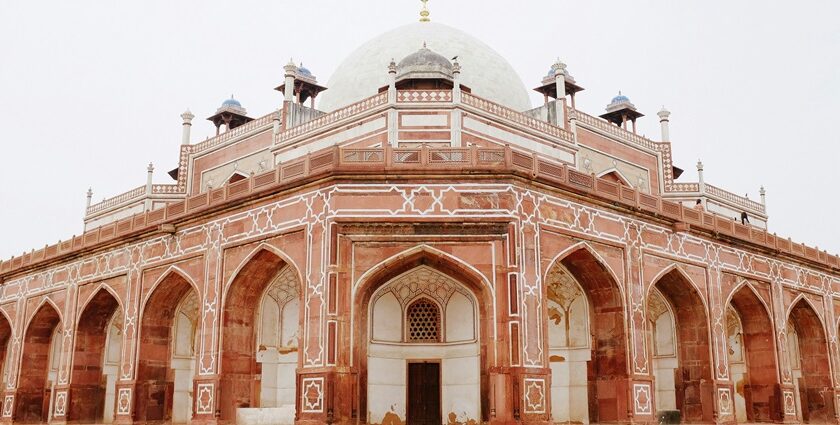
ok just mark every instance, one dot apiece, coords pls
pixel 424 247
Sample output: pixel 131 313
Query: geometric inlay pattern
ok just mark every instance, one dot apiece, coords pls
pixel 204 401
pixel 641 399
pixel 534 395
pixel 313 395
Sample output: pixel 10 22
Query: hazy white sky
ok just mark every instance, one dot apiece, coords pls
pixel 91 92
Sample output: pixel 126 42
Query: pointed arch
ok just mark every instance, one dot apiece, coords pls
pixel 240 326
pixel 615 175
pixel 746 283
pixel 815 384
pixel 235 177
pixel 262 247
pixel 87 389
pixel 693 373
pixel 420 254
pixel 607 321
pixel 153 368
pixel 6 332
pixel 44 301
pixel 600 259
pixel 758 339
pixel 101 287
pixel 172 272
pixel 33 379
pixel 446 264
pixel 802 298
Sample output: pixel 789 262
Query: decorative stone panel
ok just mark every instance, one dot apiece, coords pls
pixel 124 401
pixel 204 399
pixel 725 401
pixel 790 403
pixel 642 401
pixel 534 395
pixel 312 395
pixel 8 405
pixel 60 404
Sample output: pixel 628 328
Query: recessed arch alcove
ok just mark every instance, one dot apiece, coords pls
pixel 261 324
pixel 586 338
pixel 693 374
pixel 386 354
pixel 89 381
pixel 808 348
pixel 39 364
pixel 166 355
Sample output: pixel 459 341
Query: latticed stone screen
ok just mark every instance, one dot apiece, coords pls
pixel 423 321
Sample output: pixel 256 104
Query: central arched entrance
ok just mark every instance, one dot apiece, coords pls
pixel 586 339
pixel 421 329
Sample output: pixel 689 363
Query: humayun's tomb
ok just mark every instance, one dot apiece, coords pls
pixel 423 246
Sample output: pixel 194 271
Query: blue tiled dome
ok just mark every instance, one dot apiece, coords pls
pixel 303 71
pixel 620 98
pixel 232 102
pixel 550 72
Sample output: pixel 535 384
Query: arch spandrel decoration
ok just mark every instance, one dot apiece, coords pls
pixel 422 280
pixel 420 284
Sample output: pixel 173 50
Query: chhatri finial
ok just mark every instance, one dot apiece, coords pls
pixel 424 14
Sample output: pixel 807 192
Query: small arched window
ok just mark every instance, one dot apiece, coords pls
pixel 423 321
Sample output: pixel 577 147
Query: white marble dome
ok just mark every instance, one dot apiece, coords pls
pixel 483 70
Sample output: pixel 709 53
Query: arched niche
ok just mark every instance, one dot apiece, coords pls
pixel 693 376
pixel 163 375
pixel 586 339
pixel 752 357
pixel 813 382
pixel 89 380
pixel 423 315
pixel 39 365
pixel 662 339
pixel 260 337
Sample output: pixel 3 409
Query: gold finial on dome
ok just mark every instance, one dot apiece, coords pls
pixel 424 14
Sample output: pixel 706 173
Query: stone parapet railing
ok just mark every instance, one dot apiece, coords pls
pixel 341 114
pixel 133 196
pixel 714 192
pixel 116 201
pixel 471 161
pixel 733 198
pixel 517 117
pixel 616 131
pixel 257 124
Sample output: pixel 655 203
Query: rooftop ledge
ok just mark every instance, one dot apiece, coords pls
pixel 337 161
